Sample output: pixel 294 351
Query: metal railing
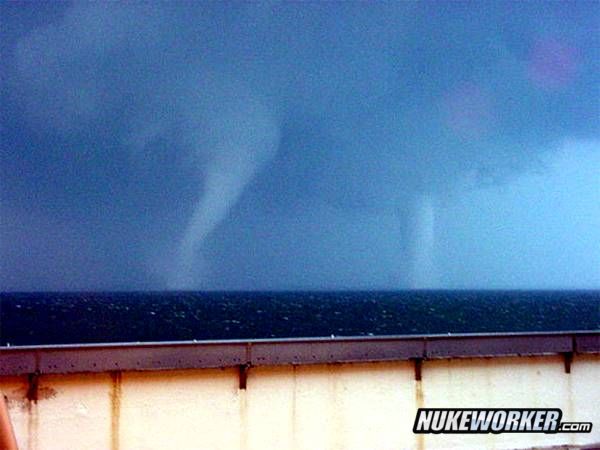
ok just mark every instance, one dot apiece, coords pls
pixel 261 352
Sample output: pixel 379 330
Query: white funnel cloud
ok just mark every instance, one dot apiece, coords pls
pixel 242 136
pixel 422 262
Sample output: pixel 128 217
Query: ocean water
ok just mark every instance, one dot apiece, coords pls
pixel 71 318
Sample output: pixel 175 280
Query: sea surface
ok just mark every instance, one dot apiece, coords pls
pixel 102 317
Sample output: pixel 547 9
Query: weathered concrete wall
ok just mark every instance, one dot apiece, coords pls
pixel 346 406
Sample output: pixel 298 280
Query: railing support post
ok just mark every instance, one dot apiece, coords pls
pixel 568 358
pixel 243 368
pixel 418 363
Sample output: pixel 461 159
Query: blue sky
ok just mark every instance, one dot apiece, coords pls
pixel 272 145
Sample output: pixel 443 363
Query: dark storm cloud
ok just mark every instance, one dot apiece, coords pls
pixel 267 145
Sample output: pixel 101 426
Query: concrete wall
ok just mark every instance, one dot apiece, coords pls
pixel 345 406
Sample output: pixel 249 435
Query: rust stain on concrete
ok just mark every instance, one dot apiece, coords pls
pixel 243 418
pixel 570 413
pixel 30 391
pixel 33 380
pixel 419 400
pixel 294 408
pixel 115 409
pixel 419 393
pixel 45 392
pixel 32 424
pixel 336 406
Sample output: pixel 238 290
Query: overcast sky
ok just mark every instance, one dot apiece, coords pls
pixel 229 145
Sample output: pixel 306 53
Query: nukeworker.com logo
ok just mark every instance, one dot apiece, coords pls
pixel 495 420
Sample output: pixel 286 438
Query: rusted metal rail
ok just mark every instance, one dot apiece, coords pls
pixel 262 352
